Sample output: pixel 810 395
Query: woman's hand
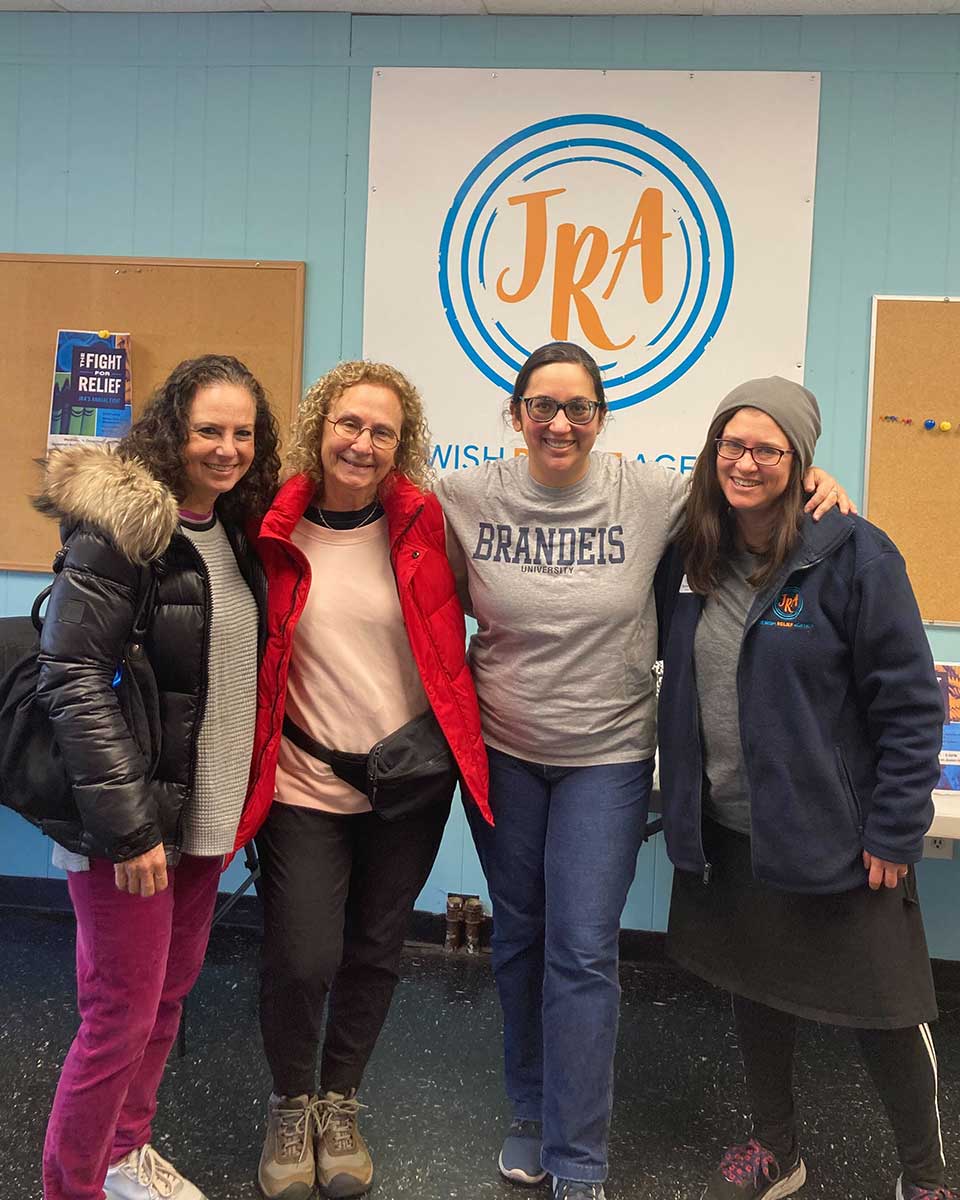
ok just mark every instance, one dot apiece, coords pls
pixel 826 493
pixel 144 875
pixel 881 872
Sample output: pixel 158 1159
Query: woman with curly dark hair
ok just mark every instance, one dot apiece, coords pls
pixel 155 579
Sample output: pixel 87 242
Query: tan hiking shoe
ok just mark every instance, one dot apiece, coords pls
pixel 287 1168
pixel 344 1167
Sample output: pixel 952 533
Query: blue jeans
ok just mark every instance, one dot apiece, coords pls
pixel 559 864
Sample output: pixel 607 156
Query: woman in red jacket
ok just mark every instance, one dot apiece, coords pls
pixel 364 634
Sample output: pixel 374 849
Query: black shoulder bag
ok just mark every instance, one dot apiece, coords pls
pixel 33 777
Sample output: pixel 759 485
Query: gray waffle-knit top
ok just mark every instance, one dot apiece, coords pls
pixel 561 583
pixel 225 743
pixel 716 653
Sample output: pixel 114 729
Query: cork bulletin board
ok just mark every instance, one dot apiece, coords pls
pixel 172 308
pixel 912 470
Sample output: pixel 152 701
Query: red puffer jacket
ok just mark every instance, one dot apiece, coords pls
pixel 431 613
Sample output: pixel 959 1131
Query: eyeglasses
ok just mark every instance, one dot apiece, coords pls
pixel 382 436
pixel 544 408
pixel 763 456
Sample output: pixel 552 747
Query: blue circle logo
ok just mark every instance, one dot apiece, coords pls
pixel 590 228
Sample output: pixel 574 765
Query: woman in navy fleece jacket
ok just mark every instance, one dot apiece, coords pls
pixel 799 732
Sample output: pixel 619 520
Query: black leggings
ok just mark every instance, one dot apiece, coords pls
pixel 901 1063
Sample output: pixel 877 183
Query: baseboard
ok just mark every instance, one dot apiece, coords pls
pixel 426 928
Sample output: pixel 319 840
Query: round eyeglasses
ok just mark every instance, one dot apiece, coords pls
pixel 382 436
pixel 763 456
pixel 544 408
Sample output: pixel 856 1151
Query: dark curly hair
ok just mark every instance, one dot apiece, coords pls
pixel 158 438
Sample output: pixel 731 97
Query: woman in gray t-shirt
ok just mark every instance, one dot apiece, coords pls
pixel 557 552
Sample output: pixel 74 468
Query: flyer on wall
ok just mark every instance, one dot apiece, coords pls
pixel 948 677
pixel 92 396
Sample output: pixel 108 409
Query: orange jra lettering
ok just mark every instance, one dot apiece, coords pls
pixel 572 277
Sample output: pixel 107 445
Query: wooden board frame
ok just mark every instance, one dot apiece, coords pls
pixel 912 475
pixel 173 308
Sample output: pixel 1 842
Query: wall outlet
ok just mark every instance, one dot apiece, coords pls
pixel 937 847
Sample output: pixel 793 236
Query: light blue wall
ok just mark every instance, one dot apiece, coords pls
pixel 246 136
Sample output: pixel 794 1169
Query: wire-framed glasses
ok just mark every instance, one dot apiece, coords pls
pixel 382 436
pixel 763 456
pixel 544 408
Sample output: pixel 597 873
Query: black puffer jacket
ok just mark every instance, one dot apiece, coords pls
pixel 120 530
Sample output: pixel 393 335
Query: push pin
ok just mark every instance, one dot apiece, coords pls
pixel 929 423
pixel 945 426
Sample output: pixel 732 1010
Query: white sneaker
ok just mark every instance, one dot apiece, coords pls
pixel 144 1175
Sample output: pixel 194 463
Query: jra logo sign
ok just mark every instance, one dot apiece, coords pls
pixel 591 228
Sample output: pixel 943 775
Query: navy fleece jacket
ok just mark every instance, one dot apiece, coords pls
pixel 840 715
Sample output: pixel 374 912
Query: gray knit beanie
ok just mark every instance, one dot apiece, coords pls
pixel 793 408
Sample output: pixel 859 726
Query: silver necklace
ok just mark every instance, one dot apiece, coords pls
pixel 349 528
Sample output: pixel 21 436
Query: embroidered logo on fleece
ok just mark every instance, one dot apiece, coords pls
pixel 786 610
pixel 789 606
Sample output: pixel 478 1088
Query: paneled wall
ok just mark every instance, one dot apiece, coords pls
pixel 245 135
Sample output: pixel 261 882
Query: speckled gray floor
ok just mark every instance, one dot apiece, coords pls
pixel 436 1110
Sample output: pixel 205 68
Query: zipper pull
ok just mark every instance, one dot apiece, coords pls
pixel 372 762
pixel 707 874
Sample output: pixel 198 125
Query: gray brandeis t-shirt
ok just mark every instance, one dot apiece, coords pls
pixel 560 581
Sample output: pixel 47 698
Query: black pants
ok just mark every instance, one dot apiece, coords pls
pixel 901 1063
pixel 337 891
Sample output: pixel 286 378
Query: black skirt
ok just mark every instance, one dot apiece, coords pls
pixel 858 958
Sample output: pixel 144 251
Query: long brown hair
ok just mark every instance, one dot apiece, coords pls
pixel 708 535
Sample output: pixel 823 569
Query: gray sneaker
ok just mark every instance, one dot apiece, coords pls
pixel 519 1159
pixel 287 1168
pixel 144 1175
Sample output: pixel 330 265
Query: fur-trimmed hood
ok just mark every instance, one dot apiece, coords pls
pixel 92 485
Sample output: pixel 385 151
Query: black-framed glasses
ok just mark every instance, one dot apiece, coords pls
pixel 763 456
pixel 382 436
pixel 544 408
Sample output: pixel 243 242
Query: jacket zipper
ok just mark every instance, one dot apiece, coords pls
pixel 373 761
pixel 373 764
pixel 768 596
pixel 847 784
pixel 287 618
pixel 406 529
pixel 425 626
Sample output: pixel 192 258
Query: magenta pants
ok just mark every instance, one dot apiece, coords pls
pixel 137 957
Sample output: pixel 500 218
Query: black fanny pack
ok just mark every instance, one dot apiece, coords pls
pixel 408 771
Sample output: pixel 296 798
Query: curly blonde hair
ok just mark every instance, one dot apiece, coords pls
pixel 413 450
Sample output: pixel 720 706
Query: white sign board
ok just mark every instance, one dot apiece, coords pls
pixel 661 219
